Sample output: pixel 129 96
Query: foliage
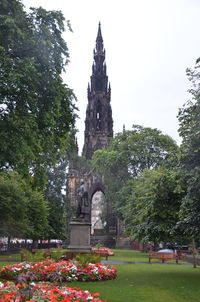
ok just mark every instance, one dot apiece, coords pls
pixel 98 245
pixel 44 292
pixel 61 271
pixel 149 283
pixel 84 259
pixel 23 211
pixel 56 254
pixel 152 205
pixel 144 148
pixel 36 107
pixel 40 255
pixel 189 130
pixel 55 194
pixel 101 250
pixel 13 204
pixel 32 257
pixel 37 212
pixel 129 154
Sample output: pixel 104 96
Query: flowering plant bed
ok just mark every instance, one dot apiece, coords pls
pixel 44 292
pixel 62 271
pixel 104 251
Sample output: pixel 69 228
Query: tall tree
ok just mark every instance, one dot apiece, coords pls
pixel 55 194
pixel 13 204
pixel 37 213
pixel 129 154
pixel 36 107
pixel 23 211
pixel 189 130
pixel 152 206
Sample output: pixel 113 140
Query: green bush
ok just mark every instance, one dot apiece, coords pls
pixel 98 245
pixel 32 257
pixel 88 258
pixel 56 254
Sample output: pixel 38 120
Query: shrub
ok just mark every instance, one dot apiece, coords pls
pixel 84 259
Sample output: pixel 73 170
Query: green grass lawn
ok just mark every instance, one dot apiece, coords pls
pixel 12 257
pixel 149 283
pixel 133 256
pixel 4 263
pixel 146 282
pixel 129 255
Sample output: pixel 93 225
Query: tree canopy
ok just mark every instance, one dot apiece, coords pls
pixel 23 211
pixel 129 154
pixel 152 206
pixel 189 130
pixel 58 204
pixel 36 106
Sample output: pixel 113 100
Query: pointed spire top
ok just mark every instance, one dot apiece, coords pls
pixel 124 128
pixel 99 38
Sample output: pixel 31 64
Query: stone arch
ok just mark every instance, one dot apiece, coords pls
pixel 98 208
pixel 97 186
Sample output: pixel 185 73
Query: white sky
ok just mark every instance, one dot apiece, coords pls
pixel 149 44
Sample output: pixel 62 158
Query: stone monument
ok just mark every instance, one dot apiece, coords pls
pixel 81 224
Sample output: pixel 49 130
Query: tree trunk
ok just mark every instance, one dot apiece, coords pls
pixel 8 247
pixel 35 244
pixel 194 253
pixel 154 245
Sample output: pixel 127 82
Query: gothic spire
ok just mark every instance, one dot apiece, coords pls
pixel 98 122
pixel 99 79
pixel 99 38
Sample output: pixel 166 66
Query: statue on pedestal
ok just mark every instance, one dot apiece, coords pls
pixel 83 206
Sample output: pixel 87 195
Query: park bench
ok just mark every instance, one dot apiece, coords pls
pixel 162 256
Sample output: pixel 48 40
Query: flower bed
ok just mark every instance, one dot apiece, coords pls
pixel 62 271
pixel 44 292
pixel 102 251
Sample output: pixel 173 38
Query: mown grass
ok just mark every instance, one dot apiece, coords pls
pixel 129 255
pixel 134 256
pixel 11 257
pixel 149 283
pixel 146 282
pixel 5 263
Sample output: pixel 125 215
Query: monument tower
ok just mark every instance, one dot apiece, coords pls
pixel 97 136
pixel 98 122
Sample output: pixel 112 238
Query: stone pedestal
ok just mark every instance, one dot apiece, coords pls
pixel 79 236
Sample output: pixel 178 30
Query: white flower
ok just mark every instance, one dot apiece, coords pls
pixel 65 292
pixel 1 284
pixel 16 269
pixel 89 298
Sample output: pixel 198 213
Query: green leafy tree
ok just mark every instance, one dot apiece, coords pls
pixel 189 130
pixel 37 213
pixel 36 107
pixel 55 194
pixel 145 148
pixel 13 204
pixel 152 205
pixel 23 211
pixel 129 154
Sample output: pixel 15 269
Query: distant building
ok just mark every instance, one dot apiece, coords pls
pixel 97 136
pixel 98 122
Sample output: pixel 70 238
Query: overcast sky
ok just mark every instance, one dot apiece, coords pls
pixel 149 44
